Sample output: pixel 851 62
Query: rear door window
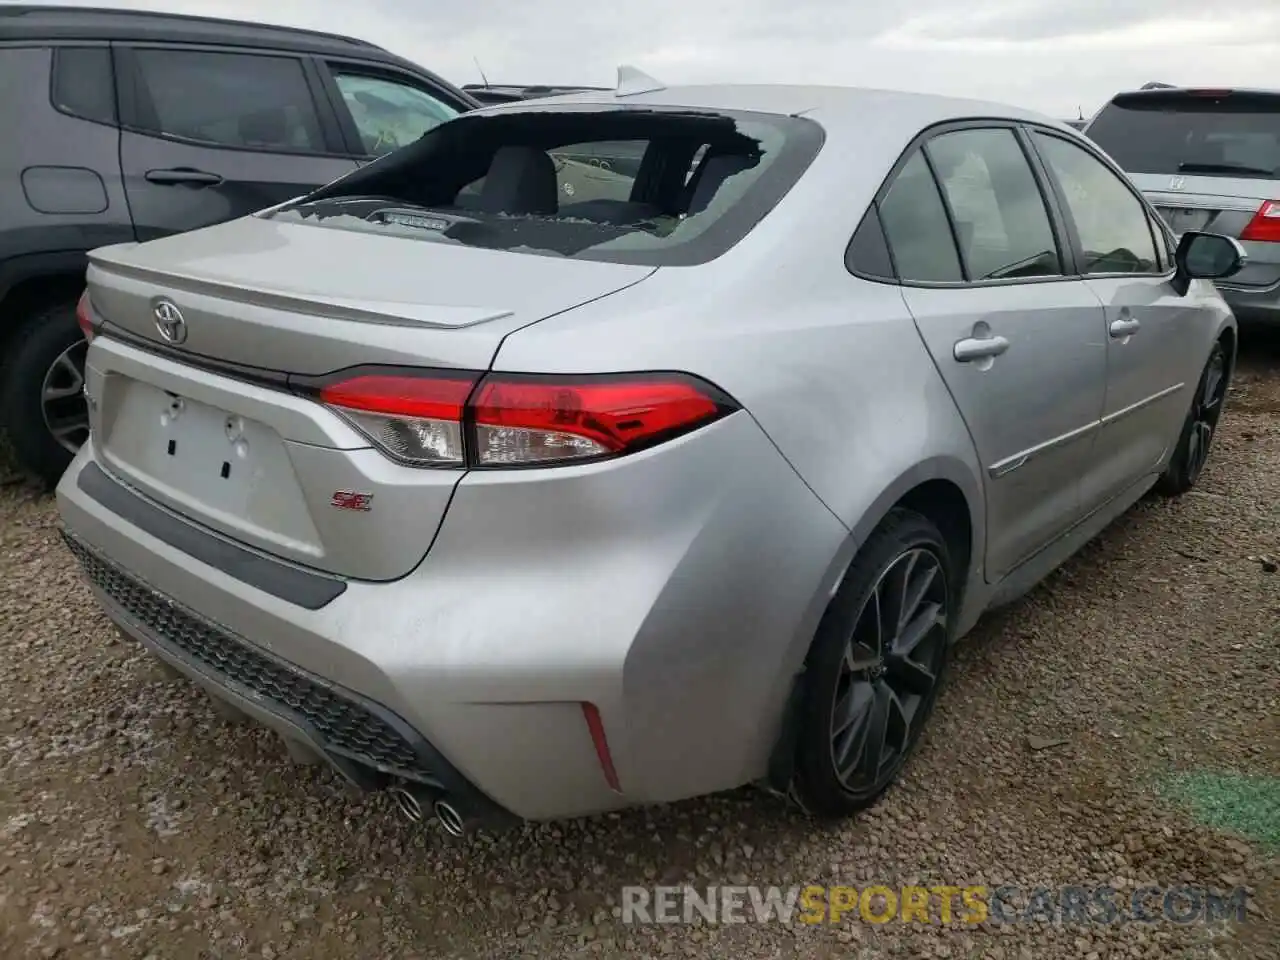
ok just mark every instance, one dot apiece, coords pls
pixel 389 114
pixel 1200 134
pixel 1000 218
pixel 247 101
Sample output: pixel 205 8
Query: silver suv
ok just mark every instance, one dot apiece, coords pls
pixel 1208 160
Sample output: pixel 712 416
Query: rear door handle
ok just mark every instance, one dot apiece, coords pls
pixel 975 348
pixel 1124 327
pixel 183 176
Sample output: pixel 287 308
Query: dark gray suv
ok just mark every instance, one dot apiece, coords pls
pixel 127 125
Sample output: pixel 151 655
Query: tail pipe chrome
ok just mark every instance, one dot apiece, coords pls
pixel 418 804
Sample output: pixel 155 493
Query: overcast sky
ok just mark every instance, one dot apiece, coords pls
pixel 1053 55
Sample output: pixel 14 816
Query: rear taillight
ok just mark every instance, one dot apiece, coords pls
pixel 525 420
pixel 413 419
pixel 447 419
pixel 84 316
pixel 1265 225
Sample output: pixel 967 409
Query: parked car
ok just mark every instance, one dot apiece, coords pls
pixel 139 125
pixel 534 508
pixel 1208 160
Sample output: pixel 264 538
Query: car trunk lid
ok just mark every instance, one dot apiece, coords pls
pixel 1218 205
pixel 279 295
pixel 214 427
pixel 1203 202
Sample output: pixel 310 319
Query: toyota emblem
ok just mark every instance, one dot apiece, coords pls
pixel 169 321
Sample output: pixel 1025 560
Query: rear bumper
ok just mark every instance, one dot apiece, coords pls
pixel 675 590
pixel 340 725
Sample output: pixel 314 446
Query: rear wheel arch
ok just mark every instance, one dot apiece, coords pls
pixel 945 492
pixel 37 325
pixel 32 284
pixel 944 503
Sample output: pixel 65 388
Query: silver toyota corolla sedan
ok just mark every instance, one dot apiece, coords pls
pixel 527 502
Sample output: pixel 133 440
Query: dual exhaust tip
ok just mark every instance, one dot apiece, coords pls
pixel 417 805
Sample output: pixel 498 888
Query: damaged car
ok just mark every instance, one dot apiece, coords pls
pixel 529 504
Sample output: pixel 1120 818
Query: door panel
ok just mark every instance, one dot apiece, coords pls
pixel 1024 361
pixel 1147 324
pixel 1032 410
pixel 213 135
pixel 1148 392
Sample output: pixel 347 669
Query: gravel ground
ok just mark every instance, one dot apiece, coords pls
pixel 136 822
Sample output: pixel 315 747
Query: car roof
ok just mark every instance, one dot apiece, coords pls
pixel 26 22
pixel 827 104
pixel 1158 91
pixel 40 22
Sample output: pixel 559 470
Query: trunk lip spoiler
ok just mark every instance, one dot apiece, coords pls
pixel 389 313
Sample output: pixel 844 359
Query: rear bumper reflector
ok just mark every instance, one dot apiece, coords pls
pixel 596 726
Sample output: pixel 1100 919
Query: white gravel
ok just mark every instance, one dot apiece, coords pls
pixel 136 822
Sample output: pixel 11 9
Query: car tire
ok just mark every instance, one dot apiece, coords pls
pixel 1200 426
pixel 864 686
pixel 48 349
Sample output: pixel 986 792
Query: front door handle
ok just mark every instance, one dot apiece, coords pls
pixel 979 348
pixel 183 176
pixel 1124 327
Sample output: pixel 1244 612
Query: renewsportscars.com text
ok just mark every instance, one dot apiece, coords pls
pixel 972 904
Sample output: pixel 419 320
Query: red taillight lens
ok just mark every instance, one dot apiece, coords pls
pixel 84 316
pixel 439 418
pixel 414 419
pixel 1265 225
pixel 527 420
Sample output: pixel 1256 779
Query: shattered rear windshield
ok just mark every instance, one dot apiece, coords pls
pixel 621 184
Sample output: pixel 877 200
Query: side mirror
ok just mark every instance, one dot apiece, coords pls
pixel 1206 256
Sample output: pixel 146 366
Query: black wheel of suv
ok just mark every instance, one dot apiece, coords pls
pixel 1192 451
pixel 875 668
pixel 42 392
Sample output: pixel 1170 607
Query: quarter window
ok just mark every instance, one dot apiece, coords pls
pixel 83 85
pixel 868 252
pixel 228 99
pixel 1001 222
pixel 915 224
pixel 387 114
pixel 1114 229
